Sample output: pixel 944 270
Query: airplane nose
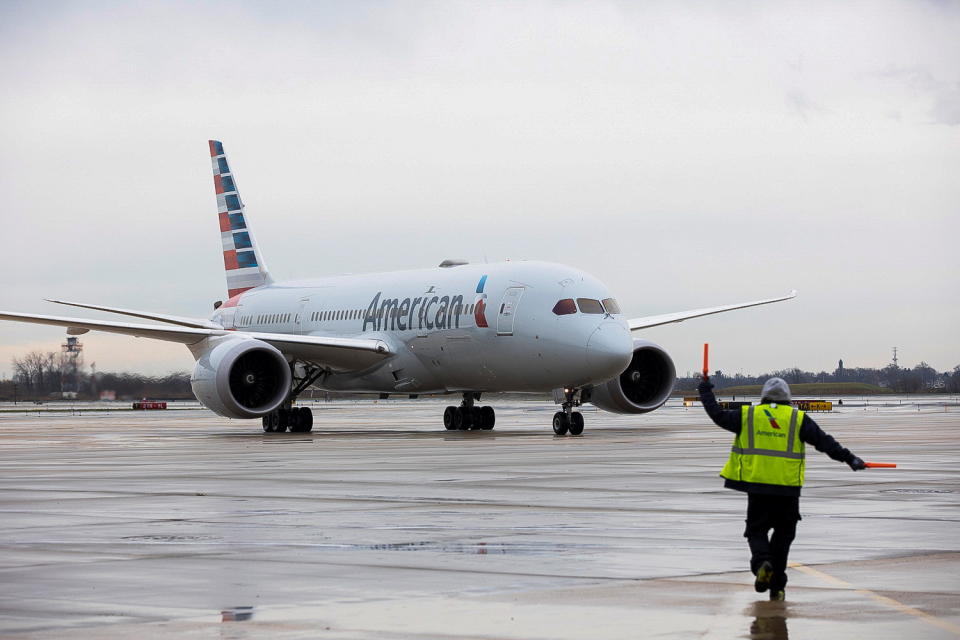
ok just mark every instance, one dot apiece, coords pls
pixel 609 350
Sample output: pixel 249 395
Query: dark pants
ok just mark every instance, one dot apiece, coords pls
pixel 780 513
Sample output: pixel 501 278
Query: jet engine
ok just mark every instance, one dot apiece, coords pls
pixel 241 378
pixel 644 386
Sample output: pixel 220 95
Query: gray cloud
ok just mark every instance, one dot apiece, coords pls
pixel 946 106
pixel 803 106
pixel 944 97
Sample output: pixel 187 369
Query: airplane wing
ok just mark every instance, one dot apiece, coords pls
pixel 342 353
pixel 667 318
pixel 161 317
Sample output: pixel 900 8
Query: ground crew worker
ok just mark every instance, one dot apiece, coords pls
pixel 767 462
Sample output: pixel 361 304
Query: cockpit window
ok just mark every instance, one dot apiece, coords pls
pixel 611 306
pixel 589 305
pixel 565 307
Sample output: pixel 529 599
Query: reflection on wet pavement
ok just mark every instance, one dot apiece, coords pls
pixel 769 621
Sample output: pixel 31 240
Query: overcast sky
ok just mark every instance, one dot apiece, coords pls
pixel 687 154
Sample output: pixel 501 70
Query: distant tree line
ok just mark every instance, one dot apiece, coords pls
pixel 39 376
pixel 920 379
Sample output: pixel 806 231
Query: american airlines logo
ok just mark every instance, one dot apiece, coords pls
pixel 422 312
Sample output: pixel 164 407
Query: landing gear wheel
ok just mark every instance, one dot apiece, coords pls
pixel 458 419
pixel 476 418
pixel 487 418
pixel 466 418
pixel 448 414
pixel 576 424
pixel 283 420
pixel 560 423
pixel 302 420
pixel 272 422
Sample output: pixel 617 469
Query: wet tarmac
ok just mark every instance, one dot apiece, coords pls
pixel 379 524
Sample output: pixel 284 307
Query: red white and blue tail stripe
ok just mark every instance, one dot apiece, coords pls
pixel 241 257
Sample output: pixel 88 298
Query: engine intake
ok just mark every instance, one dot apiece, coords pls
pixel 645 384
pixel 240 378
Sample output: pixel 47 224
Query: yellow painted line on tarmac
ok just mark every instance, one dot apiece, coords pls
pixel 884 600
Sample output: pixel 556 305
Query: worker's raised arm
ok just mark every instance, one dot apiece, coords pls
pixel 729 420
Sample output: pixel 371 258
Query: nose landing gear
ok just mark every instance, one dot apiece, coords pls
pixel 568 420
pixel 469 416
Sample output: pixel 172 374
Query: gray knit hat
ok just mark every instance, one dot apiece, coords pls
pixel 775 390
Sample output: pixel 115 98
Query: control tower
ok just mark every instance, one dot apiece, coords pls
pixel 71 360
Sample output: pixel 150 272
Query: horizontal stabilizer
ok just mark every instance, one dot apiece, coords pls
pixel 667 318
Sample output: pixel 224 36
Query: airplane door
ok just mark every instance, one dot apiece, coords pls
pixel 226 318
pixel 303 322
pixel 241 320
pixel 508 310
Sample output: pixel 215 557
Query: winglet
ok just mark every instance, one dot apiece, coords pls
pixel 241 255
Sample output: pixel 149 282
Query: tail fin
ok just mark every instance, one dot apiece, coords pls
pixel 241 256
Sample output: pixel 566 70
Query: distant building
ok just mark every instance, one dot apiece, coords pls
pixel 108 395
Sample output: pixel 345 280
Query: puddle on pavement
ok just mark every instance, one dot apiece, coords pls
pixel 170 538
pixel 476 548
pixel 917 491
pixel 769 621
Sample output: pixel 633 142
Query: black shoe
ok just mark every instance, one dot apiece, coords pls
pixel 764 576
pixel 778 595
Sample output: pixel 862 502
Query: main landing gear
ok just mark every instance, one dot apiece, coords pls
pixel 568 420
pixel 297 419
pixel 468 416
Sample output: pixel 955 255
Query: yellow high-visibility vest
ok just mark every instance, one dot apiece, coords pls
pixel 768 449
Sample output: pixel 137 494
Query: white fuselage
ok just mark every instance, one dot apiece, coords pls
pixel 470 327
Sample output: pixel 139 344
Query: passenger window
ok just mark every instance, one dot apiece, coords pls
pixel 611 306
pixel 589 305
pixel 565 307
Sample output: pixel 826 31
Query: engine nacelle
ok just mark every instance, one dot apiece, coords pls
pixel 241 378
pixel 644 386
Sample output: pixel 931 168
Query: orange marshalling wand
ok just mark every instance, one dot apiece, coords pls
pixel 706 360
pixel 880 465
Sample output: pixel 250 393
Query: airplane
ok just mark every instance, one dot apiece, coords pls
pixel 457 328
